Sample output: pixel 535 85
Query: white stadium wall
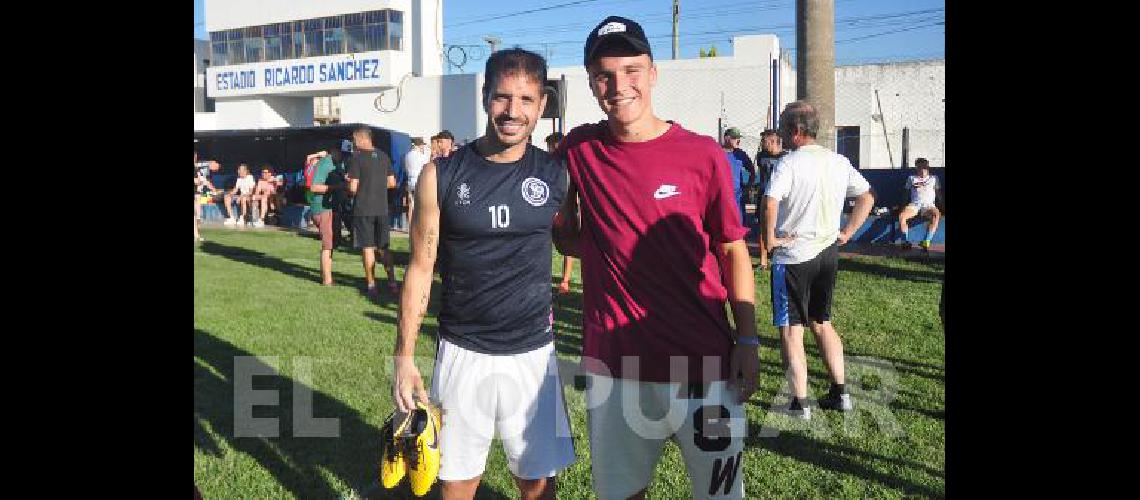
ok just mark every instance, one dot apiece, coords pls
pixel 426 106
pixel 912 95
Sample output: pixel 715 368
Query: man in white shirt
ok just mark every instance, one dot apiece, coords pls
pixel 803 203
pixel 923 186
pixel 243 189
pixel 414 162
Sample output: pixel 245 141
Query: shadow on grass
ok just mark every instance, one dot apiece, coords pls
pixel 261 259
pixel 917 368
pixel 915 254
pixel 917 276
pixel 296 463
pixel 797 446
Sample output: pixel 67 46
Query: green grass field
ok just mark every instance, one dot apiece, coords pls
pixel 257 294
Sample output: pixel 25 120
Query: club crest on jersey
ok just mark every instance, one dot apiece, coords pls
pixel 464 193
pixel 535 191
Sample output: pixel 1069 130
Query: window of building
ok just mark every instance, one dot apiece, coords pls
pixel 314 43
pixel 334 41
pixel 375 36
pixel 298 42
pixel 376 17
pixel 219 57
pixel 847 143
pixel 235 50
pixel 273 50
pixel 396 30
pixel 254 49
pixel 348 33
pixel 286 43
pixel 354 32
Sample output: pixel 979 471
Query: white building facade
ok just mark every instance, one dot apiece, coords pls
pixel 270 58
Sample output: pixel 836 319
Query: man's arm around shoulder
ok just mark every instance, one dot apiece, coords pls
pixel 568 222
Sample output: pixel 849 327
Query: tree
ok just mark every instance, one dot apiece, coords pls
pixel 703 53
pixel 712 51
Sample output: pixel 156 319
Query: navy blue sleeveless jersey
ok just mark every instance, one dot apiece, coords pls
pixel 495 249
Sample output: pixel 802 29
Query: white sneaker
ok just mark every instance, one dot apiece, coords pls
pixel 258 223
pixel 229 221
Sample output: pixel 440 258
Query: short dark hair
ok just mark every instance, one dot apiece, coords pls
pixel 513 61
pixel 363 129
pixel 444 134
pixel 921 162
pixel 554 136
pixel 769 131
pixel 800 117
pixel 418 141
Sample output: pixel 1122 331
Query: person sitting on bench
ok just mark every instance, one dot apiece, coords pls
pixel 265 195
pixel 243 191
pixel 922 186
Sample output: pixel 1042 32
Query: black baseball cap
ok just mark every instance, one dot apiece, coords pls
pixel 616 29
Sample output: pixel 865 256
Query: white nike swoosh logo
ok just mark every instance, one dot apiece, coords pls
pixel 660 195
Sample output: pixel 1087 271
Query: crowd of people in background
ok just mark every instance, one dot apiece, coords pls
pixel 257 201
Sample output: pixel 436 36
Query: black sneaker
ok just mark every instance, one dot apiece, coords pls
pixel 797 410
pixel 832 401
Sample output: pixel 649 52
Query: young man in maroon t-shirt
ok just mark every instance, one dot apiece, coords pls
pixel 656 228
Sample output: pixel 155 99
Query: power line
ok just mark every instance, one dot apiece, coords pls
pixel 776 28
pixel 666 18
pixel 513 14
pixel 792 49
pixel 856 39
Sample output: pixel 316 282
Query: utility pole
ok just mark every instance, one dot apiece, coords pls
pixel 815 61
pixel 676 19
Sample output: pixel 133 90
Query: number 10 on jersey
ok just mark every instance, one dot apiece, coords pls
pixel 500 216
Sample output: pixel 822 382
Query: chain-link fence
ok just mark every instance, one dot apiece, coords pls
pixel 885 114
pixel 709 99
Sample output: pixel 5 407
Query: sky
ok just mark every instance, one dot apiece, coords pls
pixel 866 30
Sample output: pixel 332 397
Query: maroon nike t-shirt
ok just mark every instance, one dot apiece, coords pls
pixel 652 213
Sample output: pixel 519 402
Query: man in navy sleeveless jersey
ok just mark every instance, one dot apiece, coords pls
pixel 661 248
pixel 488 209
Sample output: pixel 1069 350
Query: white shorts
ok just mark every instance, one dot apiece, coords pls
pixel 630 420
pixel 517 397
pixel 920 208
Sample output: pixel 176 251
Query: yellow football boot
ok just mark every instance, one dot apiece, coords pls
pixel 392 465
pixel 421 448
